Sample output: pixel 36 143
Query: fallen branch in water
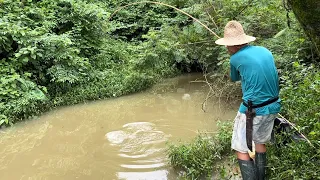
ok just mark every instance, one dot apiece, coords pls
pixel 160 3
pixel 219 88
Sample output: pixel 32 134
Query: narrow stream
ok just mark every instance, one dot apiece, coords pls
pixel 121 138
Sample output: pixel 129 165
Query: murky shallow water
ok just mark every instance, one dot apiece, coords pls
pixel 121 138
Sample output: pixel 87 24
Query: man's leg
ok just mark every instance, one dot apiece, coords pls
pixel 239 144
pixel 261 161
pixel 246 165
pixel 260 148
pixel 243 156
pixel 262 130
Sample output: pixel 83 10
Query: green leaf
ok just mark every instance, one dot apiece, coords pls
pixel 280 33
pixel 2 121
pixel 312 133
pixel 39 54
pixel 25 59
pixel 33 56
pixel 296 64
pixel 17 55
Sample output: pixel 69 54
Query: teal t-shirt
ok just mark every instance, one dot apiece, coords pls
pixel 255 67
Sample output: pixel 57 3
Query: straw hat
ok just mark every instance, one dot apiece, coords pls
pixel 234 35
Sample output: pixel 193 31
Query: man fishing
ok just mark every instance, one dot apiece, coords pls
pixel 255 67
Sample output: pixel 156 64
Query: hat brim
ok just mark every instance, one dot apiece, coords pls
pixel 233 42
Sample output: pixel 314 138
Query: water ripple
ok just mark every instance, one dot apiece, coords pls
pixel 139 141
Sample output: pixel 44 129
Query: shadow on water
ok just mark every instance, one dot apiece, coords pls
pixel 121 138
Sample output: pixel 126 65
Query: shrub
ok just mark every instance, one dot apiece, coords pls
pixel 300 99
pixel 197 158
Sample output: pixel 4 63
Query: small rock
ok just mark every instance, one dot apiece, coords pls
pixel 186 97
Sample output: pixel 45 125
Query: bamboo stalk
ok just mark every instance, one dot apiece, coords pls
pixel 160 3
pixel 212 19
pixel 199 42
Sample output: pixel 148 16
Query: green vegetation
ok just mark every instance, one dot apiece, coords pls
pixel 199 156
pixel 301 102
pixel 64 52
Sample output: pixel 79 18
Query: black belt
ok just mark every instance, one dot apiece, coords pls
pixel 262 104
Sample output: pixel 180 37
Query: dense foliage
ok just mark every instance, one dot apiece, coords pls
pixel 63 52
pixel 301 102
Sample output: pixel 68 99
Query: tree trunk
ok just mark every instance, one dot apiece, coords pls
pixel 308 14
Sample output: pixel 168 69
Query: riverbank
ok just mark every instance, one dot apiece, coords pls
pixel 122 83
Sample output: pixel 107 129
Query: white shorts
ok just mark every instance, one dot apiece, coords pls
pixel 261 131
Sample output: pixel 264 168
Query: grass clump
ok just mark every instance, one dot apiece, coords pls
pixel 196 159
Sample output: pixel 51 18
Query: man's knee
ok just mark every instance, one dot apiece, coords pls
pixel 260 148
pixel 243 156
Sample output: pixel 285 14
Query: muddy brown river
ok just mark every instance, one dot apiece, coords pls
pixel 114 139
